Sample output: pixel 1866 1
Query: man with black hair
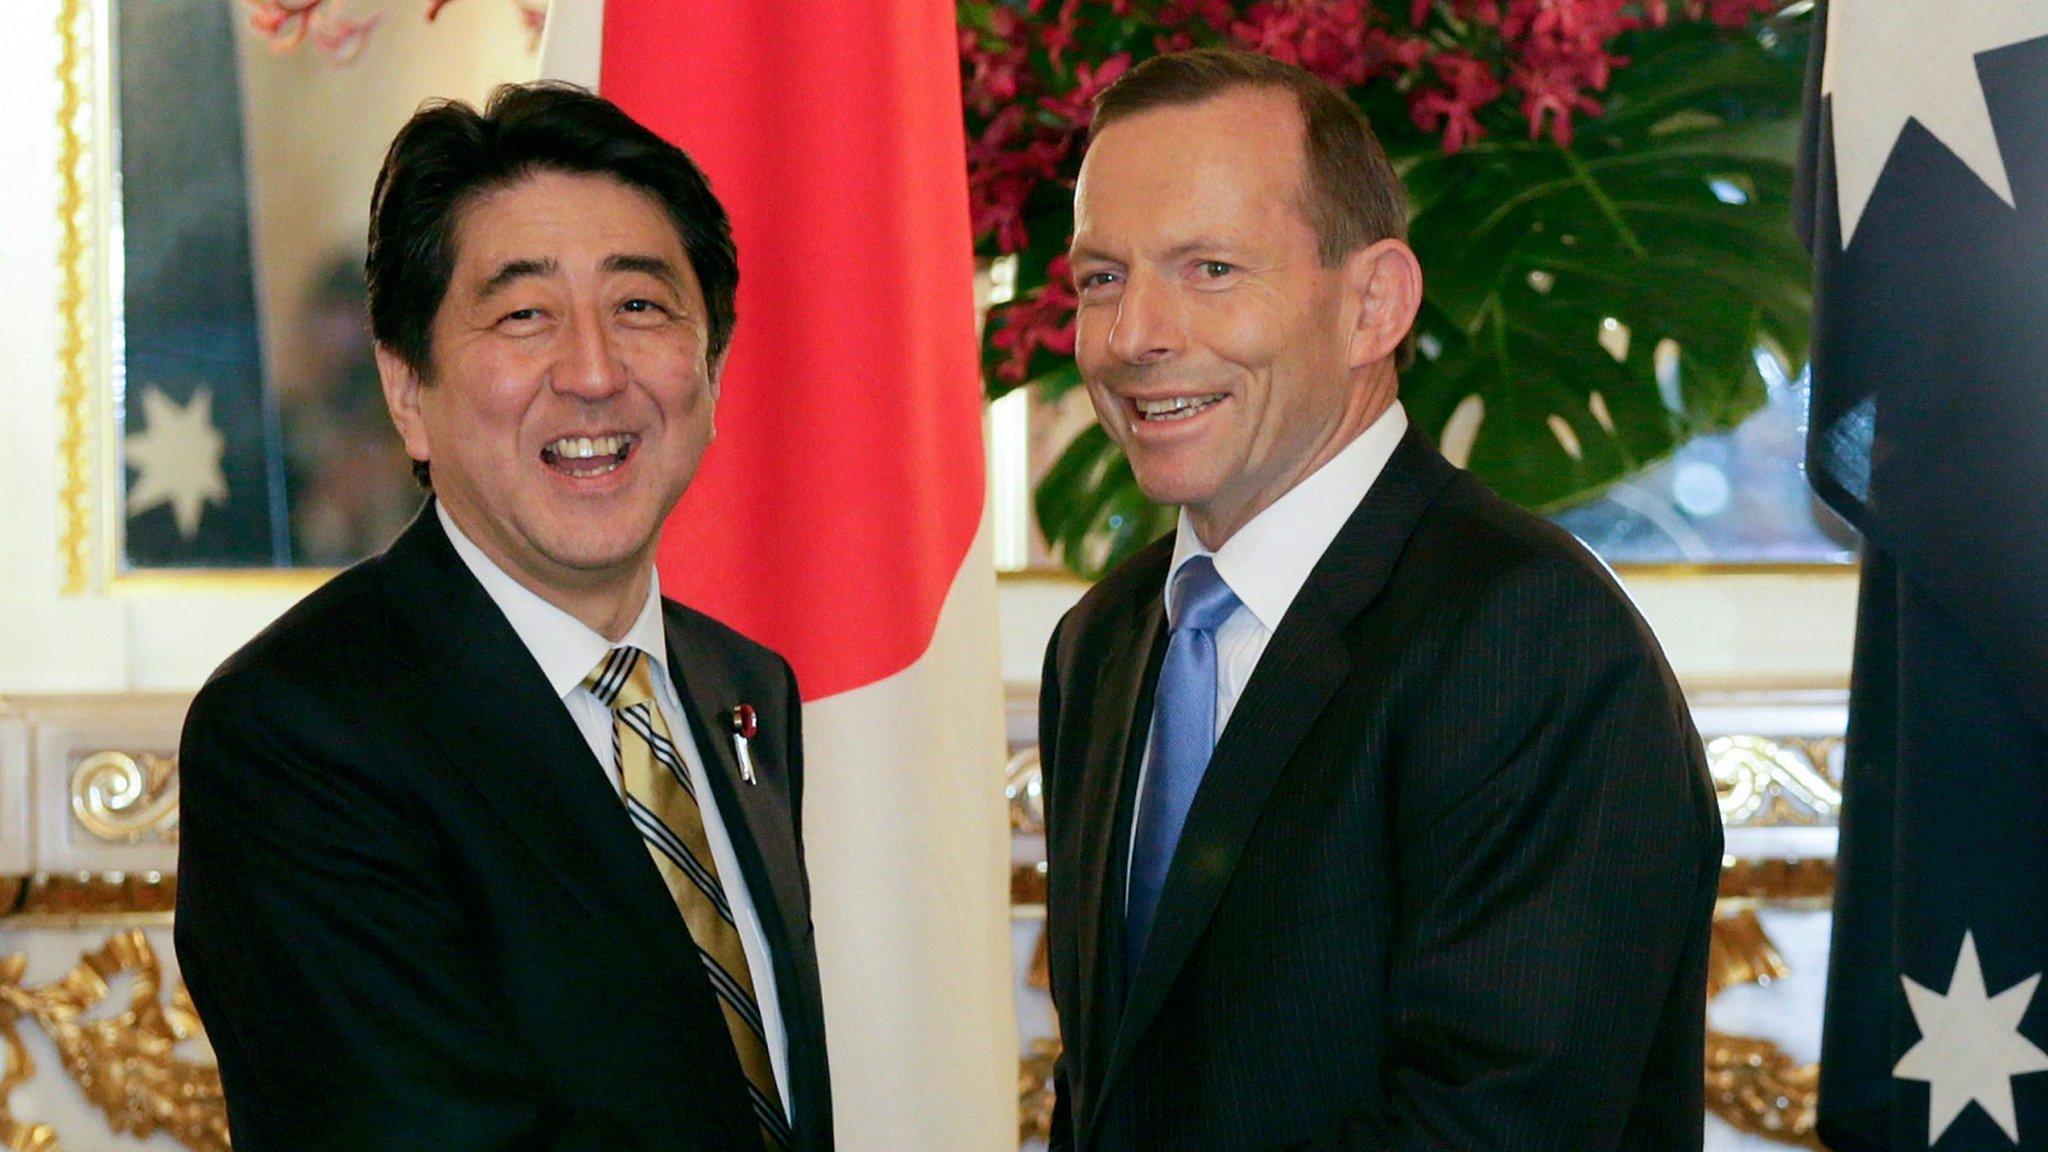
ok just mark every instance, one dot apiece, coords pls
pixel 485 845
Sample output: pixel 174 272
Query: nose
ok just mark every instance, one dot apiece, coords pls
pixel 592 365
pixel 1147 326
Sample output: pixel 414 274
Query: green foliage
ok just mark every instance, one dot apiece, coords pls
pixel 1668 221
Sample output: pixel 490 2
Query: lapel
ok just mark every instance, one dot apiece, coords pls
pixel 760 823
pixel 757 816
pixel 501 725
pixel 1112 746
pixel 1304 663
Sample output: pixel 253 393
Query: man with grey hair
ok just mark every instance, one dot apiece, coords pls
pixel 1376 819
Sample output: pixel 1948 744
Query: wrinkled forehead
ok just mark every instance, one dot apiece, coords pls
pixel 538 210
pixel 1235 158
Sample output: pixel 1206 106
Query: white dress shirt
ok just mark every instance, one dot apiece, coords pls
pixel 566 650
pixel 1268 560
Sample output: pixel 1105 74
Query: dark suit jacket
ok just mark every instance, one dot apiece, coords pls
pixel 1447 883
pixel 414 915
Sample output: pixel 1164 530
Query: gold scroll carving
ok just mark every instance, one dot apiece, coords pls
pixel 1741 953
pixel 129 897
pixel 1757 1088
pixel 126 799
pixel 1035 1092
pixel 1024 788
pixel 125 1062
pixel 1764 782
pixel 1752 1083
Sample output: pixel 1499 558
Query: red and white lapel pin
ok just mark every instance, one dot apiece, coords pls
pixel 745 725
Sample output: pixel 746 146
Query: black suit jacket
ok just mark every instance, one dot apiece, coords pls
pixel 1447 883
pixel 414 915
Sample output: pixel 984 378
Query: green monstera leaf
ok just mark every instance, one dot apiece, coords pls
pixel 1090 508
pixel 1588 308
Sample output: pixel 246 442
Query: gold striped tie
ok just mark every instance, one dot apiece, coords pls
pixel 663 805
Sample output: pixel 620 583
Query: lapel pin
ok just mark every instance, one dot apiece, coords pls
pixel 745 726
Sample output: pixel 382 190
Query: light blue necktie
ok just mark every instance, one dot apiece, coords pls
pixel 1183 736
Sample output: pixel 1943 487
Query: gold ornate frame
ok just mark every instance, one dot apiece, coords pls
pixel 89 283
pixel 84 118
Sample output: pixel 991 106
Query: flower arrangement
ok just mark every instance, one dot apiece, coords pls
pixel 1600 194
pixel 340 35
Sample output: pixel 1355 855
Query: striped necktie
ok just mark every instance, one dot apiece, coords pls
pixel 663 805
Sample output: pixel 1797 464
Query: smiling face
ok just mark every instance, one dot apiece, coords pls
pixel 570 394
pixel 1221 354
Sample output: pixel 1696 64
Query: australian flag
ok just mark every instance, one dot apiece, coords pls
pixel 192 350
pixel 1926 208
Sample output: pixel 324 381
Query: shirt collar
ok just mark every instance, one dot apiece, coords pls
pixel 565 648
pixel 1268 560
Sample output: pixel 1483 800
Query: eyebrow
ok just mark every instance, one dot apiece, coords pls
pixel 1199 245
pixel 654 266
pixel 1179 251
pixel 1082 251
pixel 514 270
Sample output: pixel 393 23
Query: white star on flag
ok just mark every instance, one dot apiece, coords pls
pixel 176 458
pixel 1970 1045
pixel 1889 61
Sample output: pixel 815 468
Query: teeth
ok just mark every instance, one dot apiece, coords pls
pixel 585 447
pixel 1175 407
pixel 586 456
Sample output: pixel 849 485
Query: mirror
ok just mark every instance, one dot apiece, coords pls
pixel 223 155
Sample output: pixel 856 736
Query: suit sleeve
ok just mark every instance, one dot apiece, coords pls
pixel 1557 848
pixel 1061 1138
pixel 323 947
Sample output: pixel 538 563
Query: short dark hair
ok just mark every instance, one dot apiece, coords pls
pixel 1351 198
pixel 449 154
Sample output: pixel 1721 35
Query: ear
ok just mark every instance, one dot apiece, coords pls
pixel 402 387
pixel 714 370
pixel 1385 282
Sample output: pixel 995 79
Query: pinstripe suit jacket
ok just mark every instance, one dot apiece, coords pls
pixel 414 915
pixel 1447 883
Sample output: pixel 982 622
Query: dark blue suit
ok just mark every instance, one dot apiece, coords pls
pixel 1449 878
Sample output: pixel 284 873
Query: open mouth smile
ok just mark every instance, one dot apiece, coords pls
pixel 1175 407
pixel 583 456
